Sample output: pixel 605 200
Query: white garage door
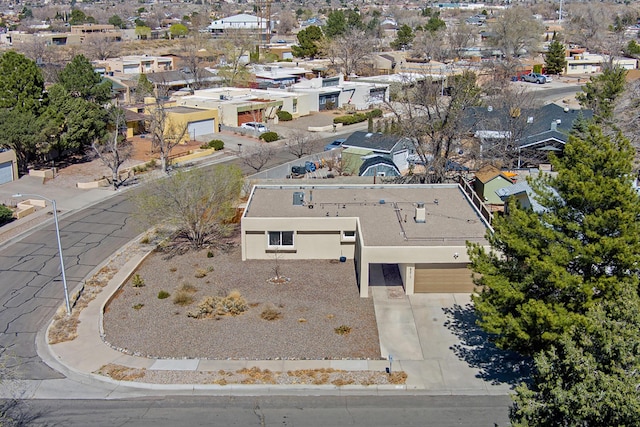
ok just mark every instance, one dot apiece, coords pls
pixel 443 278
pixel 6 172
pixel 199 128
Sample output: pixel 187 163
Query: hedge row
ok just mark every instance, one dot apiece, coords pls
pixel 357 117
pixel 214 143
pixel 284 116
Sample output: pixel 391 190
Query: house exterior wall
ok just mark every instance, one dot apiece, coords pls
pixel 183 119
pixel 380 170
pixel 490 188
pixel 314 238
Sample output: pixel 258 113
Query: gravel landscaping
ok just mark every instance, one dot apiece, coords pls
pixel 316 314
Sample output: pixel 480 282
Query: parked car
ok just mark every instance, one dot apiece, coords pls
pixel 258 127
pixel 335 144
pixel 548 78
pixel 534 78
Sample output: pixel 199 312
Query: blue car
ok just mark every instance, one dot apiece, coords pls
pixel 335 144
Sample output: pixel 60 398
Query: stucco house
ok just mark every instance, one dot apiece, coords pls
pixel 423 229
pixel 327 93
pixel 8 166
pixel 361 145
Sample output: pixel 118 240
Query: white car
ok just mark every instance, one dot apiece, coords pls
pixel 258 127
pixel 548 78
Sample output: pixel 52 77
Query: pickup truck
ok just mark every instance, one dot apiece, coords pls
pixel 533 78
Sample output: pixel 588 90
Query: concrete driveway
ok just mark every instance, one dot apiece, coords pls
pixel 434 337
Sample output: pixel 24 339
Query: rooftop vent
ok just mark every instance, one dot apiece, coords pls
pixel 421 213
pixel 490 108
pixel 298 198
pixel 530 119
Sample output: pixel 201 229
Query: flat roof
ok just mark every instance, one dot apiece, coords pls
pixel 386 212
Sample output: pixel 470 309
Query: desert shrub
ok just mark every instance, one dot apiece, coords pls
pixel 200 273
pixel 138 306
pixel 182 298
pixel 350 119
pixel 145 239
pixel 163 295
pixel 270 313
pixel 216 144
pixel 209 254
pixel 151 164
pixel 137 281
pixel 188 287
pixel 285 116
pixel 173 269
pixel 232 304
pixel 269 136
pixel 6 214
pixel 343 330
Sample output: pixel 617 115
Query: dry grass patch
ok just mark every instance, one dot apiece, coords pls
pixel 233 304
pixel 398 377
pixel 188 287
pixel 121 373
pixel 183 298
pixel 271 313
pixel 343 330
pixel 256 376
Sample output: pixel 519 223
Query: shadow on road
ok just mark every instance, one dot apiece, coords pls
pixel 495 365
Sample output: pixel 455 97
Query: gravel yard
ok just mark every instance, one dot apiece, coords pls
pixel 320 298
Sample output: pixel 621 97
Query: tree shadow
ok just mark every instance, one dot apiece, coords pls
pixel 496 366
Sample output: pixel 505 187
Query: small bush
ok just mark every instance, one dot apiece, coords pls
pixel 285 116
pixel 270 313
pixel 209 254
pixel 145 239
pixel 200 273
pixel 151 164
pixel 351 119
pixel 232 305
pixel 216 144
pixel 137 281
pixel 6 214
pixel 163 295
pixel 138 306
pixel 343 330
pixel 269 136
pixel 375 113
pixel 173 269
pixel 182 298
pixel 188 287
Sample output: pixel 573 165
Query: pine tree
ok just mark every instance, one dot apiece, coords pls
pixel 590 376
pixel 602 91
pixel 545 270
pixel 555 60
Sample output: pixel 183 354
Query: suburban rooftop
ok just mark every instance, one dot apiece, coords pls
pixel 386 212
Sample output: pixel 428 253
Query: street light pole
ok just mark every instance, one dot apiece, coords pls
pixel 55 220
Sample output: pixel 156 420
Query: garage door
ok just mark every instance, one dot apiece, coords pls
pixel 6 172
pixel 199 128
pixel 443 278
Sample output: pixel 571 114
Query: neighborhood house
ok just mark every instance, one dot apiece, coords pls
pixel 423 229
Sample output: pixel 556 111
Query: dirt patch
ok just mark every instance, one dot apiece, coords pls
pixel 320 298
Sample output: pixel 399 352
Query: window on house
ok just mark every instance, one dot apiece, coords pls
pixel 280 238
pixel 348 236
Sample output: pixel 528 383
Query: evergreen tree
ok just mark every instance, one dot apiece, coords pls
pixel 143 88
pixel 307 42
pixel 590 376
pixel 21 83
pixel 602 91
pixel 336 24
pixel 81 81
pixel 545 270
pixel 555 60
pixel 404 37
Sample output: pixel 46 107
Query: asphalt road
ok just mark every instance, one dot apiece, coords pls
pixel 281 411
pixel 30 286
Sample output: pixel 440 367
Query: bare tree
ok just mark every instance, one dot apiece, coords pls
pixel 192 49
pixel 300 143
pixel 114 150
pixel 460 37
pixel 258 157
pixel 199 204
pixel 587 24
pixel 430 45
pixel 627 113
pixel 165 132
pixel 101 47
pixel 235 49
pixel 286 22
pixel 437 124
pixel 516 31
pixel 349 51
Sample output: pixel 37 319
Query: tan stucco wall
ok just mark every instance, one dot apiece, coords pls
pixel 10 156
pixel 182 119
pixel 314 238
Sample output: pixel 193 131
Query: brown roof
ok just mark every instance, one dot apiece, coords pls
pixel 488 172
